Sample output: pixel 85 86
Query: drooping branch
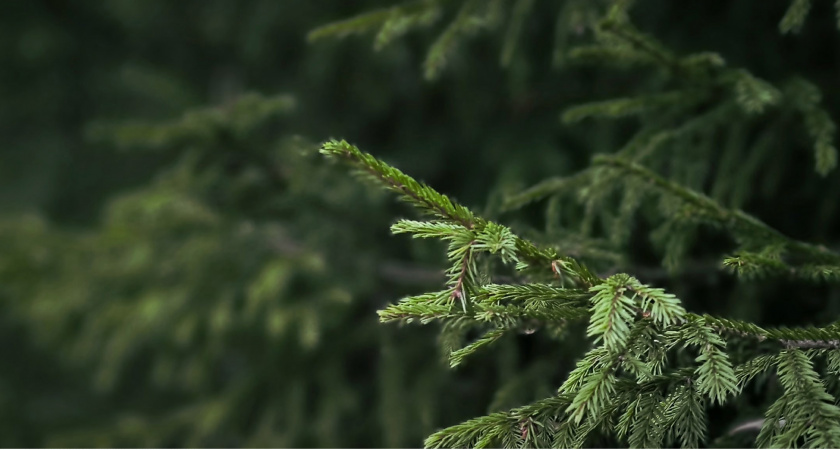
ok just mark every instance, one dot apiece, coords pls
pixel 742 224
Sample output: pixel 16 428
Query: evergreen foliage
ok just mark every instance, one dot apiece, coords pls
pixel 635 327
pixel 644 251
pixel 192 259
pixel 654 369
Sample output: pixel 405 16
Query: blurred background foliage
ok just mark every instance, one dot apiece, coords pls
pixel 178 267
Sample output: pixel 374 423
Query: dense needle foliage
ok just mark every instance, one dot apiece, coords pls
pixel 644 250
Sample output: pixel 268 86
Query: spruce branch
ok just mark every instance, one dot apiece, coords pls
pixel 544 189
pixel 458 276
pixel 754 367
pixel 805 337
pixel 593 360
pixel 753 94
pixel 419 194
pixel 521 9
pixel 612 313
pixel 804 97
pixel 746 227
pixel 594 394
pixel 705 73
pixel 550 416
pixel 491 430
pixel 833 362
pixel 484 309
pixel 715 374
pixel 646 430
pixel 632 106
pixel 608 54
pixel 468 21
pixel 808 410
pixel 685 416
pixel 392 22
pixel 810 343
pixel 752 265
pixel 457 356
pixel 795 16
pixel 636 325
pixel 622 29
pixel 500 240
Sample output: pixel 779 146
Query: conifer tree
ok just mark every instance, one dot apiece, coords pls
pixel 653 371
pixel 643 251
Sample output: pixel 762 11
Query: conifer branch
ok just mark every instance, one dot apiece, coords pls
pixel 528 254
pixel 745 227
pixel 612 312
pixel 649 413
pixel 641 42
pixel 765 264
pixel 637 325
pixel 805 337
pixel 685 416
pixel 492 430
pixel 521 9
pixel 457 356
pixel 715 374
pixel 795 16
pixel 458 287
pixel 544 189
pixel 752 368
pixel 392 21
pixel 466 22
pixel 419 194
pixel 623 107
pixel 810 343
pixel 606 54
pixel 807 409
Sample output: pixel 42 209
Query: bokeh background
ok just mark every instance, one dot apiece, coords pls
pixel 179 267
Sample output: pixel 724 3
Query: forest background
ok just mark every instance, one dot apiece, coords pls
pixel 179 266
